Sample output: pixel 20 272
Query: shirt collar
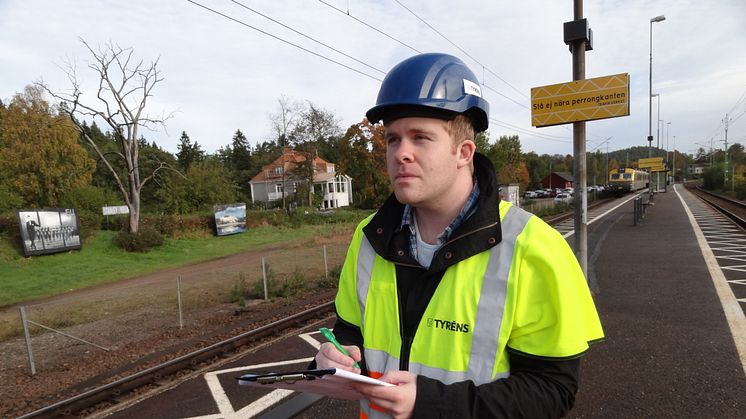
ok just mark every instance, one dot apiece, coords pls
pixel 469 208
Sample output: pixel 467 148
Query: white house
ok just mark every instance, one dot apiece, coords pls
pixel 268 185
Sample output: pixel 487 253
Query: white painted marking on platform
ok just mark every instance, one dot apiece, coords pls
pixel 731 307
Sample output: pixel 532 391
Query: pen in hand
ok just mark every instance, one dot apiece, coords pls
pixel 330 337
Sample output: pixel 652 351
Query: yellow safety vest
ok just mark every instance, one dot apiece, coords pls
pixel 527 293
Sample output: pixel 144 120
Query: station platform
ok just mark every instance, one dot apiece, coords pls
pixel 669 350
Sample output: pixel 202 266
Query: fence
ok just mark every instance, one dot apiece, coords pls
pixel 179 304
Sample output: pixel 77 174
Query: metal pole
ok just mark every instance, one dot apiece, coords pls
pixel 264 279
pixel 178 295
pixel 668 131
pixel 660 18
pixel 578 131
pixel 28 340
pixel 674 160
pixel 650 95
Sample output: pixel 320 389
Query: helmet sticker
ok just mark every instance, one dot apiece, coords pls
pixel 471 88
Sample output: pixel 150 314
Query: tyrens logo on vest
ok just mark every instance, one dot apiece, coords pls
pixel 448 325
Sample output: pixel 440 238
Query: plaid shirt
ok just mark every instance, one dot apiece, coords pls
pixel 466 212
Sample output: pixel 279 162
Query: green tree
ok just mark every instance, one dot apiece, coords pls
pixel 241 163
pixel 188 153
pixel 40 158
pixel 362 152
pixel 206 183
pixel 315 128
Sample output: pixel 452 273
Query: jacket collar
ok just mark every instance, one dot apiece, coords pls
pixel 476 234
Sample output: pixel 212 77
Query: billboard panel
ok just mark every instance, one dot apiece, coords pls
pixel 230 219
pixel 581 100
pixel 49 230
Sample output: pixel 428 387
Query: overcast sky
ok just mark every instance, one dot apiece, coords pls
pixel 221 75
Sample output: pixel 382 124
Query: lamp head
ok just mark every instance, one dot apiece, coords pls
pixel 660 18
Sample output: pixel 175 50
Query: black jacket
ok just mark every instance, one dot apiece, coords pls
pixel 536 387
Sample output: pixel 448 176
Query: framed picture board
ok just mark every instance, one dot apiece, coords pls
pixel 49 230
pixel 230 219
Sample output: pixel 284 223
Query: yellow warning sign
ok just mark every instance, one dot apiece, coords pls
pixel 650 162
pixel 660 168
pixel 582 100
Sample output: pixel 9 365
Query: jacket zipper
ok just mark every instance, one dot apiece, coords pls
pixel 407 340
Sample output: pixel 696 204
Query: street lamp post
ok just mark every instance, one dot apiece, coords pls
pixel 658 118
pixel 674 160
pixel 668 131
pixel 660 18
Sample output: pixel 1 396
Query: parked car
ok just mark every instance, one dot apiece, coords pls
pixel 563 197
pixel 530 195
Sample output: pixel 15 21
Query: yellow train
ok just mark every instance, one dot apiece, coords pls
pixel 625 179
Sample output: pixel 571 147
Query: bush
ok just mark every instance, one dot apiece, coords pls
pixel 239 292
pixel 142 241
pixel 333 279
pixel 278 287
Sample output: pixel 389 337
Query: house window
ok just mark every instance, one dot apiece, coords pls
pixel 342 185
pixel 278 187
pixel 278 170
pixel 295 188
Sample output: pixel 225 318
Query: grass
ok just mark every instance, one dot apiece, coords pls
pixel 101 261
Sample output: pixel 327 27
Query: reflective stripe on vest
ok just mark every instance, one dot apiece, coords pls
pixel 485 333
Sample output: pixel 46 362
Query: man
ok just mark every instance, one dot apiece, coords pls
pixel 31 226
pixel 472 307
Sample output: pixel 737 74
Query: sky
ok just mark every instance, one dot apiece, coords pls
pixel 227 72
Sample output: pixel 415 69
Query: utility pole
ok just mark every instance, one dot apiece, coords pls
pixel 578 46
pixel 674 160
pixel 726 150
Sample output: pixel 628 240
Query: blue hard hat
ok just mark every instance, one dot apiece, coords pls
pixel 431 85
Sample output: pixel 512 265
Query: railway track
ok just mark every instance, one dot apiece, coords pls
pixel 112 393
pixel 731 208
pixel 107 397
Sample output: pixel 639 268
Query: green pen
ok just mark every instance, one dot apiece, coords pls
pixel 330 337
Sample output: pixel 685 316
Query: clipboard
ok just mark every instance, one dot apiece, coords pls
pixel 332 382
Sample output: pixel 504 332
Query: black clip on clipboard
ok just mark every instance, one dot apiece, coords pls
pixel 332 382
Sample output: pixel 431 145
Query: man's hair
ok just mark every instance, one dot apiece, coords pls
pixel 460 129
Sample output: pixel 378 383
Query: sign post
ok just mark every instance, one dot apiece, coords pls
pixel 576 102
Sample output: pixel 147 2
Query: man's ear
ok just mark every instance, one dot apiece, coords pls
pixel 466 151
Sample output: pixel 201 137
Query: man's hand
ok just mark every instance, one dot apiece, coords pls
pixel 330 357
pixel 396 401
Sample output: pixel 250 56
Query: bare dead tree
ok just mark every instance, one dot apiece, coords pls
pixel 125 85
pixel 283 122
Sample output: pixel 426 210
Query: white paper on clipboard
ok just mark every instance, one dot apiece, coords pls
pixel 331 382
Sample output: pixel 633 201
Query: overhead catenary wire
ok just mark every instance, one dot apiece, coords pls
pixel 307 37
pixel 285 41
pixel 371 26
pixel 459 48
pixel 527 132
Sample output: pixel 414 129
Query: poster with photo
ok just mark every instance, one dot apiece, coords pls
pixel 230 219
pixel 49 230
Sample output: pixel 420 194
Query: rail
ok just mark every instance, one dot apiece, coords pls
pixel 711 199
pixel 153 374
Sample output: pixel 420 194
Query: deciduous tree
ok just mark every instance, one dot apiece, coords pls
pixel 40 158
pixel 125 86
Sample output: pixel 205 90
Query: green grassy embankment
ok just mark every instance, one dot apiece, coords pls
pixel 101 261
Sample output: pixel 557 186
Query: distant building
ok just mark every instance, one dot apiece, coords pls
pixel 556 180
pixel 696 169
pixel 268 185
